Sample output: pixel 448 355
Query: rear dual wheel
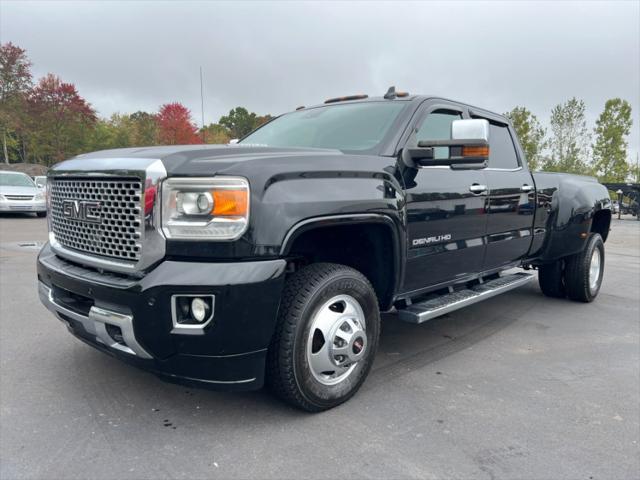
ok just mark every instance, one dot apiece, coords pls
pixel 326 337
pixel 578 276
pixel 584 271
pixel 551 279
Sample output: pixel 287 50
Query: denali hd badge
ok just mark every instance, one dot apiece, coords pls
pixel 81 210
pixel 417 242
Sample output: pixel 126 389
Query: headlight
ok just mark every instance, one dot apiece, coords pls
pixel 39 197
pixel 205 208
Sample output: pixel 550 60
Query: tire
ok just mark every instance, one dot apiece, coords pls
pixel 551 279
pixel 295 353
pixel 41 214
pixel 583 283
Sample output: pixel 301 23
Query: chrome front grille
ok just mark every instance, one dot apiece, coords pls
pixel 114 227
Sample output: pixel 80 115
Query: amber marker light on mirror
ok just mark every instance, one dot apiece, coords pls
pixel 475 151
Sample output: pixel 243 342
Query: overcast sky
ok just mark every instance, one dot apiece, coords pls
pixel 272 57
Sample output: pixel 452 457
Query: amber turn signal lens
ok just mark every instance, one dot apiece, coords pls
pixel 475 151
pixel 230 202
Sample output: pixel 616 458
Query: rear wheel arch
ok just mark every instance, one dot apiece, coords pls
pixel 601 222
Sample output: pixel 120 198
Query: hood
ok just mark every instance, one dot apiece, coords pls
pixel 259 164
pixel 193 160
pixel 238 159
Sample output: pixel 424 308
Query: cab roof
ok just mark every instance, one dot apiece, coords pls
pixel 362 98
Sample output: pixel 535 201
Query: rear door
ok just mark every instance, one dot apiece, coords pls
pixel 446 221
pixel 510 213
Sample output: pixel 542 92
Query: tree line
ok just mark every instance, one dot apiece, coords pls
pixel 48 121
pixel 573 147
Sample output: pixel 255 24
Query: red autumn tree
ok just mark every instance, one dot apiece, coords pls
pixel 61 119
pixel 175 126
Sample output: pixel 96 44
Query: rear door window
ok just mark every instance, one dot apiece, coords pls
pixel 502 152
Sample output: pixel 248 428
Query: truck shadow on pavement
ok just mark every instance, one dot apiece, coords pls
pixel 404 349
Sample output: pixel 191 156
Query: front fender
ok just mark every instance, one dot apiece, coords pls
pixel 289 200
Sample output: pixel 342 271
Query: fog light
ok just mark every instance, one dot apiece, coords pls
pixel 199 309
pixel 191 313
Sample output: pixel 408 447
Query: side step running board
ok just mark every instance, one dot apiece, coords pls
pixel 421 312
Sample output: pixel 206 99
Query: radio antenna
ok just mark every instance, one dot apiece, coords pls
pixel 202 106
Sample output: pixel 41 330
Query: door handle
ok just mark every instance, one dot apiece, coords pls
pixel 477 188
pixel 526 188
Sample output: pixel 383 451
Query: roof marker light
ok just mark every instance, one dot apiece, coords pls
pixel 347 98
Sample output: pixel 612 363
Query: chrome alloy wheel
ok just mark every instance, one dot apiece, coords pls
pixel 337 339
pixel 594 269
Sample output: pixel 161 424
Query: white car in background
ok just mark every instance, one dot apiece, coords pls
pixel 616 208
pixel 19 194
pixel 40 181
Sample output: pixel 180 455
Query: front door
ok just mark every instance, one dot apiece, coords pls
pixel 446 219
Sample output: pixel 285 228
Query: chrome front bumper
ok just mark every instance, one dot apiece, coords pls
pixel 96 323
pixel 22 206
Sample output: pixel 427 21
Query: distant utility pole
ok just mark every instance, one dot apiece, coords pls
pixel 202 106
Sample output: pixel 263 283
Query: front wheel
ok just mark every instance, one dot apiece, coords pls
pixel 584 271
pixel 326 337
pixel 41 214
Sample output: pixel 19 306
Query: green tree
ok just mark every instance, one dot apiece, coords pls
pixel 262 120
pixel 15 83
pixel 216 134
pixel 122 127
pixel 114 132
pixel 570 139
pixel 144 129
pixel 610 148
pixel 239 122
pixel 634 169
pixel 102 137
pixel 530 133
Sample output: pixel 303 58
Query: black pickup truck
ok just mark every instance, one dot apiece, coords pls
pixel 269 261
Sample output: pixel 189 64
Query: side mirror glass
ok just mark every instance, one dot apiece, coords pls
pixel 468 147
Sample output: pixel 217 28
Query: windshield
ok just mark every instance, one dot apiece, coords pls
pixel 15 180
pixel 354 127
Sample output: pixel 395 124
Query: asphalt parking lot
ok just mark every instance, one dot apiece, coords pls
pixel 519 386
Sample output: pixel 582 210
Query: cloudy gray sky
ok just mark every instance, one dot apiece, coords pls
pixel 273 56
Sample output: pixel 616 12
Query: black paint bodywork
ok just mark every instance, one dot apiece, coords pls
pixel 228 355
pixel 295 190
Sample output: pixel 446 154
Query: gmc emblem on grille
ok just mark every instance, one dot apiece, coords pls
pixel 82 211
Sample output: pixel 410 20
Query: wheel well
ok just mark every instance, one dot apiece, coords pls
pixel 601 222
pixel 369 248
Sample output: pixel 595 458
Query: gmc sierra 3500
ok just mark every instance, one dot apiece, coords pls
pixel 269 261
